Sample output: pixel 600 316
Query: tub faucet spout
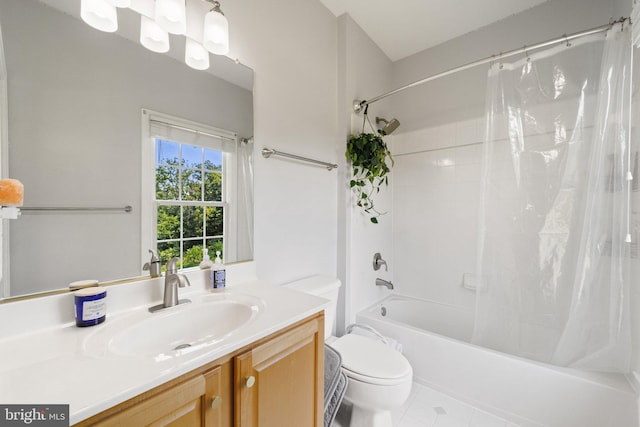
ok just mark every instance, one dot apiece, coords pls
pixel 382 282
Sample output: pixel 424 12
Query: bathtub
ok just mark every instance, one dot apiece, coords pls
pixel 436 341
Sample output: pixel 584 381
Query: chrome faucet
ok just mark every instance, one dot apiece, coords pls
pixel 381 282
pixel 172 281
pixel 379 262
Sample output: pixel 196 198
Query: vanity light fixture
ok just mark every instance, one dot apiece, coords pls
pixel 195 55
pixel 216 30
pixel 202 22
pixel 172 15
pixel 100 14
pixel 153 36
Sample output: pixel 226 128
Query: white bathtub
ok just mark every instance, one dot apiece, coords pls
pixel 435 339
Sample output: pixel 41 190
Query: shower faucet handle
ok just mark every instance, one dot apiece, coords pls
pixel 378 262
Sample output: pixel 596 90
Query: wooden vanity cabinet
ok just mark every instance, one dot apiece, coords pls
pixel 276 381
pixel 280 382
pixel 180 405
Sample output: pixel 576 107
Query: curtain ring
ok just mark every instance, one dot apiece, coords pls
pixel 499 57
pixel 526 53
pixel 566 39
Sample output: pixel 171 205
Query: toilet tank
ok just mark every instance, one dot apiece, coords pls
pixel 322 286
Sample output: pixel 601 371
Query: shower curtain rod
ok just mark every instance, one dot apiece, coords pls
pixel 360 105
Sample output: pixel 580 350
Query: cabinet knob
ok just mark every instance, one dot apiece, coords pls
pixel 216 402
pixel 250 381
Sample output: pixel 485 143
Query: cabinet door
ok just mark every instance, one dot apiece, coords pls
pixel 280 383
pixel 179 406
pixel 218 402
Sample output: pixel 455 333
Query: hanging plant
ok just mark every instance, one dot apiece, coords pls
pixel 368 155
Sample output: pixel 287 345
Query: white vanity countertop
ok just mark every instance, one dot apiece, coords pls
pixel 51 365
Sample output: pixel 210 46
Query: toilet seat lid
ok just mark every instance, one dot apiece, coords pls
pixel 370 358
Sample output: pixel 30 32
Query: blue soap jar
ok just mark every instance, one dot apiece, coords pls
pixel 91 306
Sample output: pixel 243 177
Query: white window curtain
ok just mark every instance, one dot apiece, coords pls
pixel 553 260
pixel 194 134
pixel 245 188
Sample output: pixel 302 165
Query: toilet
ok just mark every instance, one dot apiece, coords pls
pixel 379 377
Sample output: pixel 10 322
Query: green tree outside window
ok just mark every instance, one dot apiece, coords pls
pixel 193 175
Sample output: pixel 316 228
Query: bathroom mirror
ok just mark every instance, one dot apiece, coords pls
pixel 75 103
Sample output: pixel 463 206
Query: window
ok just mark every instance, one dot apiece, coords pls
pixel 189 180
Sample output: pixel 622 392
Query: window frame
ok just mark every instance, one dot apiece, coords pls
pixel 148 202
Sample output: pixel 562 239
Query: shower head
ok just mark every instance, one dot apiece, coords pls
pixel 390 125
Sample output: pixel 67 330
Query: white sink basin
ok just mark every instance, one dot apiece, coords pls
pixel 174 331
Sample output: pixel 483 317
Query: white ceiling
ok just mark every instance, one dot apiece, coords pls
pixel 405 27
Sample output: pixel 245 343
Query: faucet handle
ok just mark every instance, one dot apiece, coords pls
pixel 378 261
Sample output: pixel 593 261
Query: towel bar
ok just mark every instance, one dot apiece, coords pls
pixel 71 208
pixel 268 152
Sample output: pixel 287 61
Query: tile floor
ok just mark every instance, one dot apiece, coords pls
pixel 429 408
pixel 426 407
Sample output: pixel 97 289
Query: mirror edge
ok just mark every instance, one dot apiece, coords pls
pixel 104 284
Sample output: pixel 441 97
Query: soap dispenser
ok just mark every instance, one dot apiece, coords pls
pixel 218 273
pixel 206 261
pixel 153 266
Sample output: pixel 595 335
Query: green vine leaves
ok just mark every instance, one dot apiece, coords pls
pixel 368 154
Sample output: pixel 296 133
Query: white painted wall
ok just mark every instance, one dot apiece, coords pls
pixel 74 108
pixel 365 71
pixel 291 45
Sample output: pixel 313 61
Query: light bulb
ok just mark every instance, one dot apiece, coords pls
pixel 195 55
pixel 171 15
pixel 100 14
pixel 216 33
pixel 152 36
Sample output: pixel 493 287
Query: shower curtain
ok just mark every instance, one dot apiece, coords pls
pixel 553 260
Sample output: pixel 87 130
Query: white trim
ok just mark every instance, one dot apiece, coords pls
pixel 189 203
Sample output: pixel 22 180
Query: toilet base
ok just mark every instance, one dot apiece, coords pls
pixel 350 416
pixel 362 417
